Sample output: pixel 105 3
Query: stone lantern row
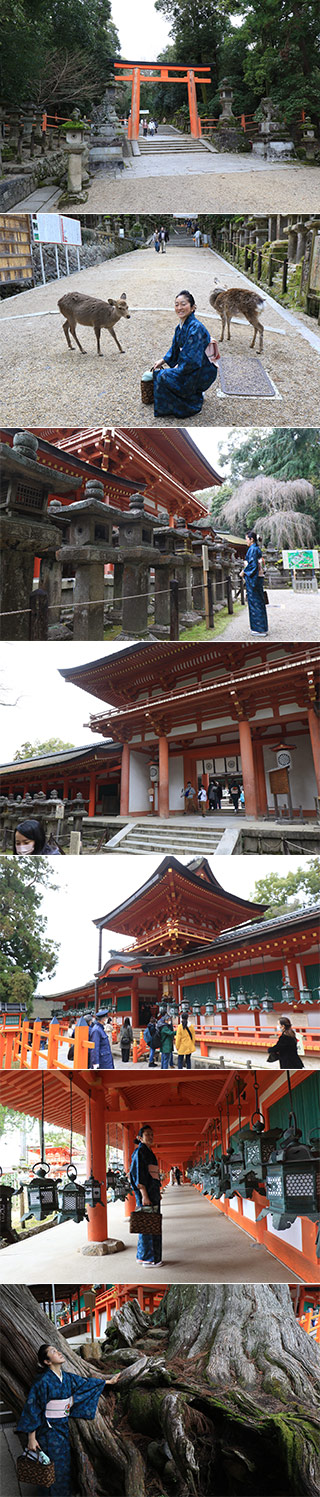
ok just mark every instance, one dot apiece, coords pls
pixel 80 539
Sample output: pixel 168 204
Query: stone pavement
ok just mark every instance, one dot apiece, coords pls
pixel 200 1245
pixel 200 183
pixel 291 616
pixel 44 384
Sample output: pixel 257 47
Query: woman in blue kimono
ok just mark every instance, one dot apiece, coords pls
pixel 180 378
pixel 55 1397
pixel 145 1181
pixel 254 586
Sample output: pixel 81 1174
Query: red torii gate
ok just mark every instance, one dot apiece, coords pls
pixel 150 72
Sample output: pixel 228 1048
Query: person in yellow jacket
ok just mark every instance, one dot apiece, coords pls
pixel 185 1042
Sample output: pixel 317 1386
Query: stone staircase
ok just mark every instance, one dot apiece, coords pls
pixel 190 840
pixel 168 140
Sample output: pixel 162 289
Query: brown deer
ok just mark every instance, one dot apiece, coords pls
pixel 91 312
pixel 228 303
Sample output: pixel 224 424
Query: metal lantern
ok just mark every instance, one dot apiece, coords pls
pixel 254 1002
pixel 241 997
pixel 6 1193
pixel 293 1177
pixel 233 1001
pixel 259 1143
pixel 118 1181
pixel 305 995
pixel 209 1008
pixel 287 992
pixel 42 1191
pixel 71 1196
pixel 266 1002
pixel 196 1007
pixel 221 1006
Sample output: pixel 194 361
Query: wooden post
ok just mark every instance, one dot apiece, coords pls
pixel 193 106
pixel 125 777
pixel 229 595
pixel 248 772
pixel 210 602
pixel 98 1221
pixel 314 730
pixel 163 776
pixel 205 569
pixel 135 104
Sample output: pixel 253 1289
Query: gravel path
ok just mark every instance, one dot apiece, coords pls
pixel 291 617
pixel 198 184
pixel 45 384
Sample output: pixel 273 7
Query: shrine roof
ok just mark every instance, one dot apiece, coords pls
pixel 175 895
pixel 166 465
pixel 70 466
pixel 177 669
pixel 87 752
pixel 228 939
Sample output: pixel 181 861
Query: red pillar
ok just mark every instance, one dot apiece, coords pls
pixel 163 776
pixel 92 793
pixel 261 779
pixel 135 104
pixel 128 1141
pixel 124 783
pixel 98 1221
pixel 193 107
pixel 314 729
pixel 65 788
pixel 248 775
pixel 135 1003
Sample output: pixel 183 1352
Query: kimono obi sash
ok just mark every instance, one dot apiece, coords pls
pixel 154 1171
pixel 59 1408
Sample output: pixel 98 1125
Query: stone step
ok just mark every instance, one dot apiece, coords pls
pixel 176 143
pixel 141 839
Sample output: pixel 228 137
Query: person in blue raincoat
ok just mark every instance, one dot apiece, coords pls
pixel 55 1397
pixel 180 378
pixel 253 578
pixel 145 1181
pixel 101 1057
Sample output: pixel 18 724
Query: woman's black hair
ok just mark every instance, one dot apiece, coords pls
pixel 184 1020
pixel 143 1127
pixel 43 1352
pixel 33 831
pixel 252 536
pixel 188 296
pixel 286 1023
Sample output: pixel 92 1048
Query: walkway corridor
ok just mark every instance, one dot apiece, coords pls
pixel 199 1246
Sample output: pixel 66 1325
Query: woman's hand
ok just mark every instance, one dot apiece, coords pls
pixel 159 365
pixel 145 1198
pixel 215 349
pixel 33 1443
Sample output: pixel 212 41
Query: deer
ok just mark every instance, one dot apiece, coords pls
pixel 91 312
pixel 228 303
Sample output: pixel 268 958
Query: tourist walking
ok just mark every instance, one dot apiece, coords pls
pixel 185 1042
pixel 188 368
pixel 145 1181
pixel 202 800
pixel 100 1058
pixel 286 1048
pixel 188 793
pixel 234 791
pixel 125 1041
pixel 253 579
pixel 162 240
pixel 151 1038
pixel 178 1174
pixel 165 1033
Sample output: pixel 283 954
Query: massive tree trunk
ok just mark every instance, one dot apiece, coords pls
pixel 218 1393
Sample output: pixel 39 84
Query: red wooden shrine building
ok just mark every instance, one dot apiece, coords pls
pixel 173 712
pixel 182 1113
pixel 197 945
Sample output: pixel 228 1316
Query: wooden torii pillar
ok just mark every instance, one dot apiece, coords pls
pixel 144 72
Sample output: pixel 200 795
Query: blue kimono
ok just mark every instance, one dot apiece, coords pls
pixel 80 1396
pixel 178 390
pixel 145 1171
pixel 254 586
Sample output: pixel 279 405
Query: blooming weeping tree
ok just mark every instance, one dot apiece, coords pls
pixel 275 507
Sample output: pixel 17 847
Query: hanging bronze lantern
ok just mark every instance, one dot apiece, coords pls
pixel 257 1142
pixel 254 1002
pixel 241 996
pixel 293 1177
pixel 209 1008
pixel 42 1191
pixel 287 992
pixel 233 1001
pixel 306 995
pixel 266 1002
pixel 221 1006
pixel 72 1205
pixel 71 1196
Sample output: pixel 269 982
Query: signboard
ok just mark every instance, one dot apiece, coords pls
pixel 284 760
pixel 293 560
pixel 231 765
pixel 279 783
pixel 219 766
pixel 15 248
pixel 55 228
pixel 154 773
pixel 205 558
pixel 59 810
pixel 208 765
pixel 314 277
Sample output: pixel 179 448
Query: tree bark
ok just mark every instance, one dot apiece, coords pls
pixel 218 1393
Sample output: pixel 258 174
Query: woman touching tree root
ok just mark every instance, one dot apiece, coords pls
pixel 215 1395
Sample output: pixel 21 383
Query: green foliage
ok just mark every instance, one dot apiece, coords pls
pixel 25 953
pixel 37 749
pixel 281 453
pixel 301 887
pixel 39 45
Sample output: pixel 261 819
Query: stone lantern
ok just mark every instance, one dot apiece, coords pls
pixel 88 548
pixel 137 553
pixel 25 528
pixel 74 138
pixel 226 99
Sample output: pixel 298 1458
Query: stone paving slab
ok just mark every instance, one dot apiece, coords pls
pixel 44 384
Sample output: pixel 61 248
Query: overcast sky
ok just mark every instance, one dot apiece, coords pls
pixel 91 887
pixel 46 705
pixel 143 32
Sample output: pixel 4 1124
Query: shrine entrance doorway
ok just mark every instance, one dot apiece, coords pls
pixel 137 73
